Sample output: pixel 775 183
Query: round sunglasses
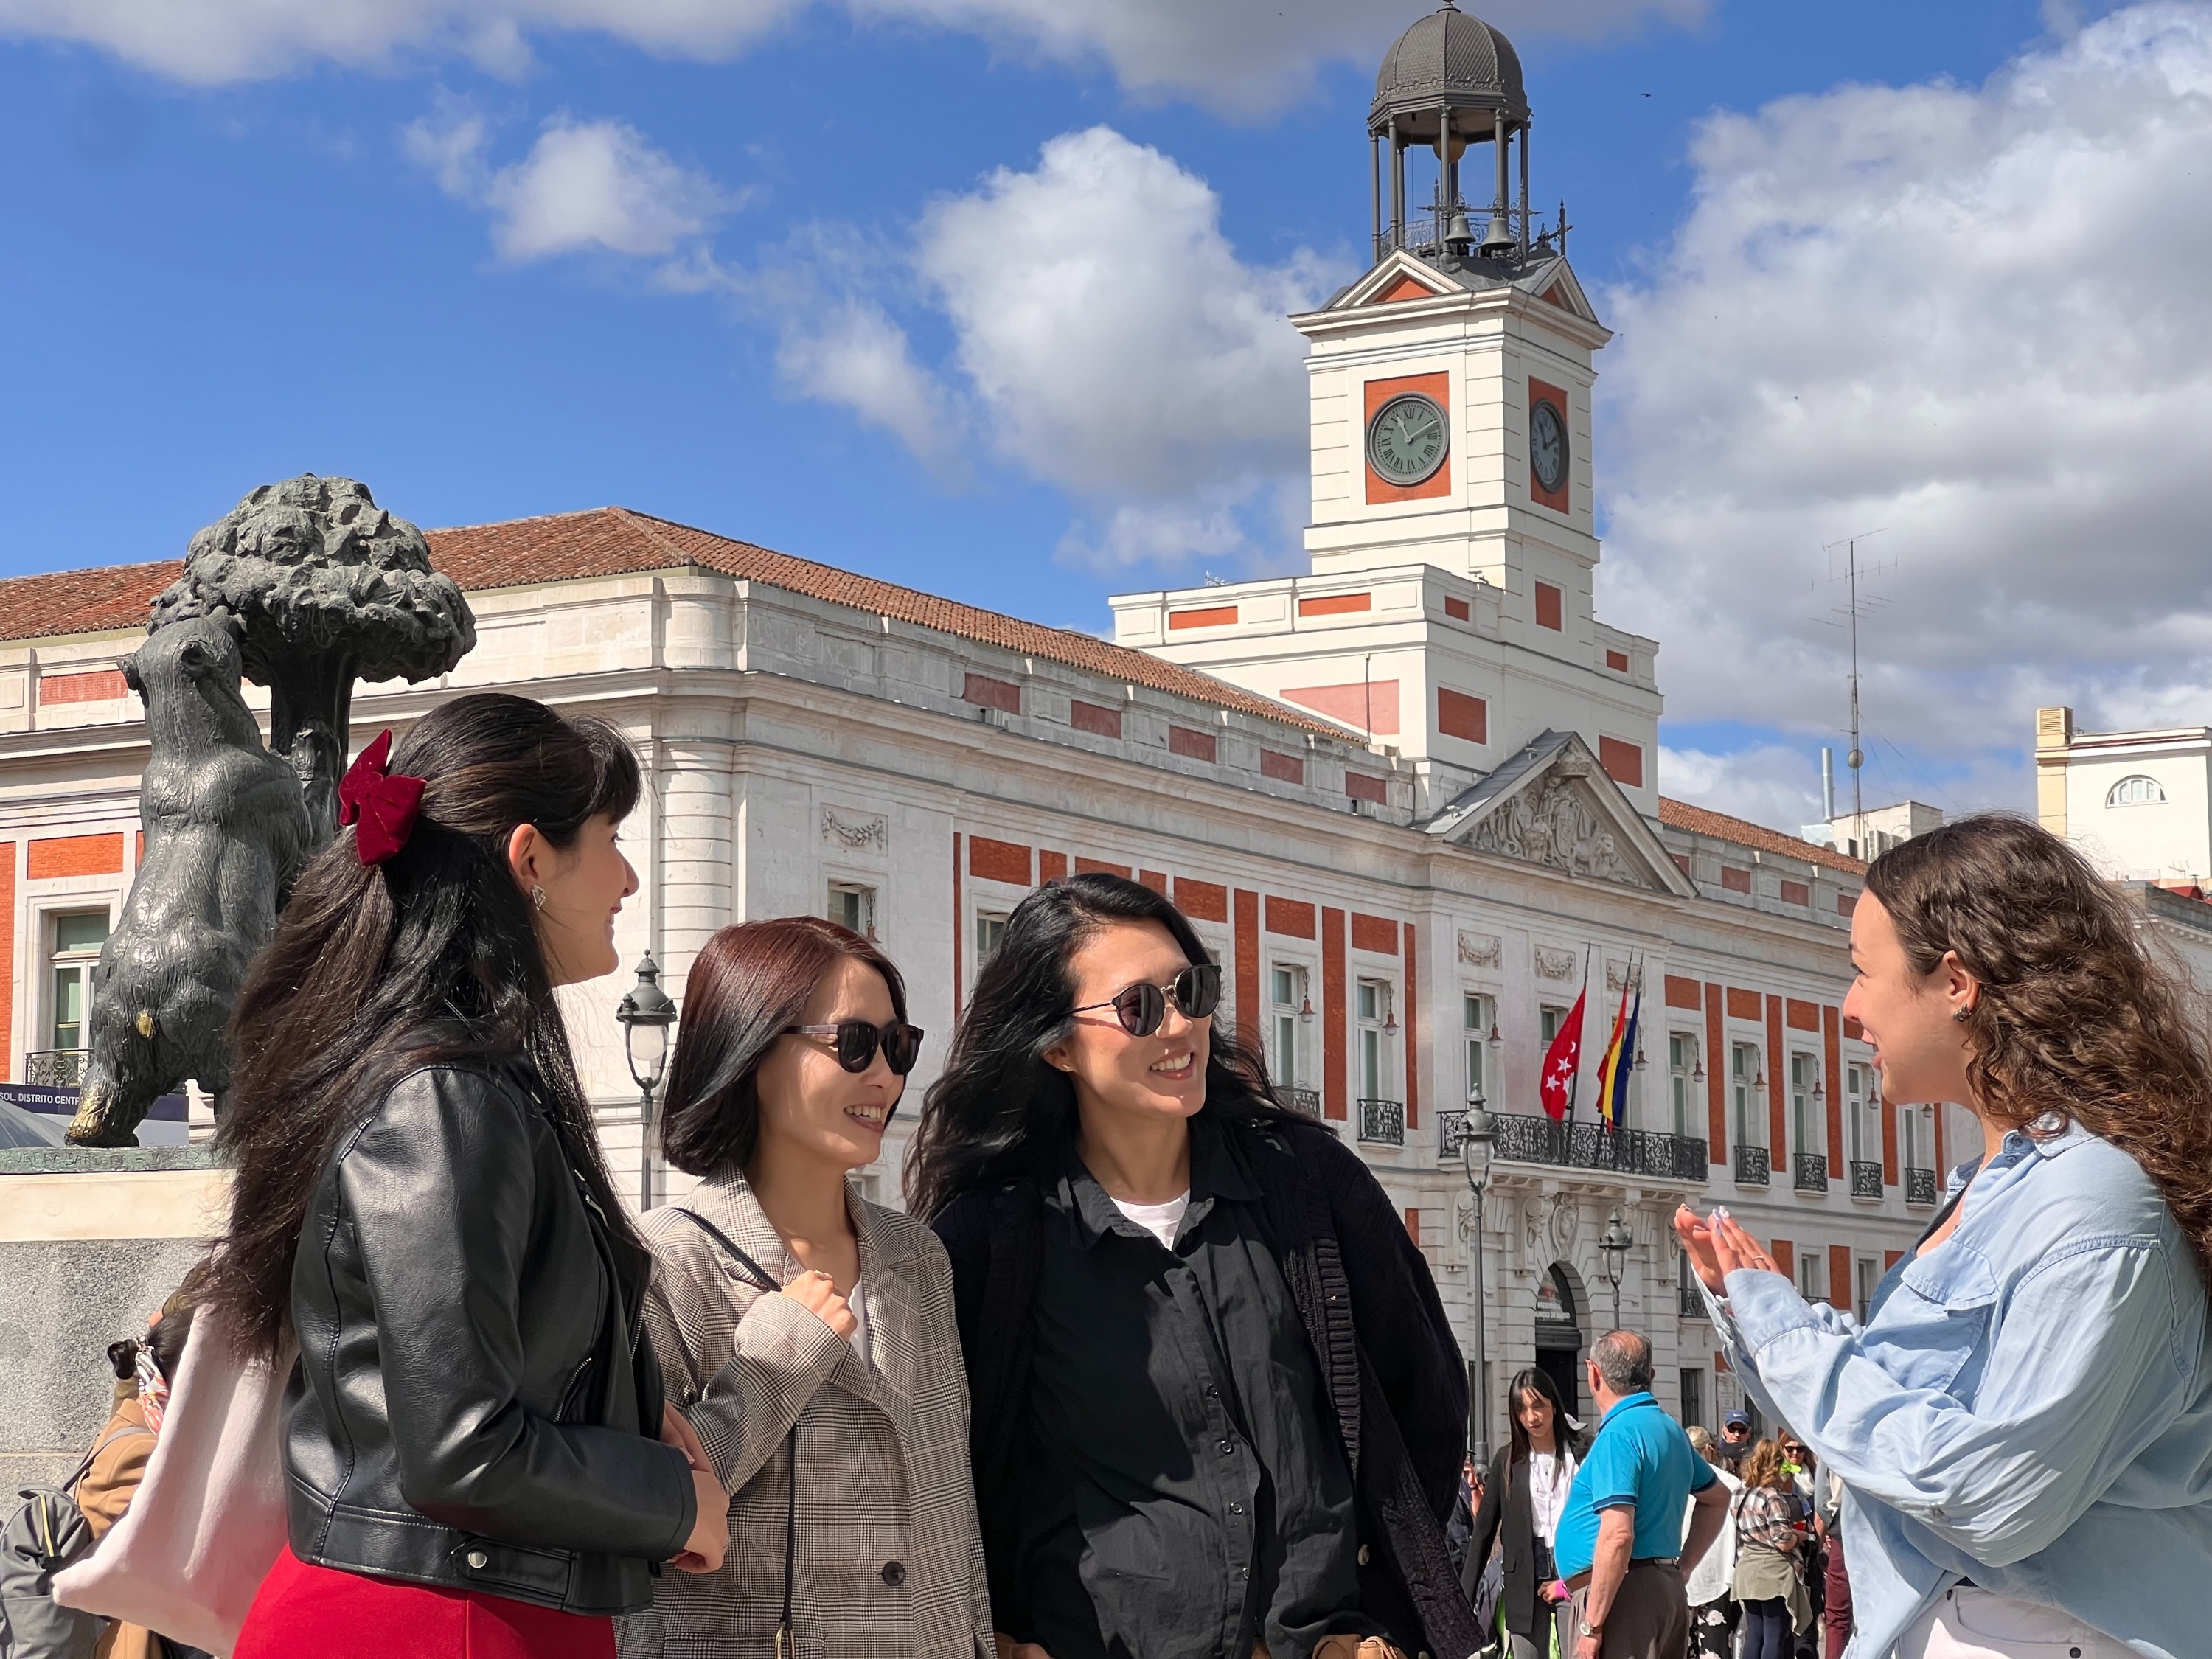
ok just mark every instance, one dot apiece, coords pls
pixel 857 1041
pixel 1196 993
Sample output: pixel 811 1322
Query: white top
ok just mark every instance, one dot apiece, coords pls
pixel 1161 1220
pixel 858 1302
pixel 1709 1579
pixel 1550 1475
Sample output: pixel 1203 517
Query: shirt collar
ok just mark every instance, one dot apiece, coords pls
pixel 1217 1170
pixel 1627 1402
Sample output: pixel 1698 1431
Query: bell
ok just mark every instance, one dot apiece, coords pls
pixel 1458 232
pixel 1498 238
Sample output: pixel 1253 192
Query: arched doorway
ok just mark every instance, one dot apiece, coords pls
pixel 1559 1334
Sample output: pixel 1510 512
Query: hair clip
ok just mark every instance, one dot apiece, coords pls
pixel 380 805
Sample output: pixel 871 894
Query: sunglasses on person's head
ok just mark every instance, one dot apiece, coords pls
pixel 857 1041
pixel 1196 993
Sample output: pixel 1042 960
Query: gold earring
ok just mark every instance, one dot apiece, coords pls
pixel 537 897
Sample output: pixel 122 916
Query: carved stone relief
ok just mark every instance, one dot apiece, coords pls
pixel 1554 826
pixel 1554 964
pixel 1566 1218
pixel 856 831
pixel 1617 976
pixel 1479 949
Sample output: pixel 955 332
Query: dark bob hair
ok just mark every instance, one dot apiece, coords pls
pixel 750 982
pixel 999 1107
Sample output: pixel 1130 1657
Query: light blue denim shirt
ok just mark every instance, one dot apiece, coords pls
pixel 2029 1405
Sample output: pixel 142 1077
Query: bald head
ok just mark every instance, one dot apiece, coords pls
pixel 1623 1360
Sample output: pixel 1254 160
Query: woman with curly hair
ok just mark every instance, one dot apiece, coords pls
pixel 1769 1581
pixel 2023 1425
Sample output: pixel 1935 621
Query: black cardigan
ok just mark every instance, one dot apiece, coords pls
pixel 1370 1307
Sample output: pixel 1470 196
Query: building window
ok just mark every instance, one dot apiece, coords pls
pixel 1864 1107
pixel 2137 791
pixel 77 938
pixel 854 906
pixel 1743 1079
pixel 1477 1016
pixel 1918 1136
pixel 1805 1126
pixel 1681 1061
pixel 1870 1276
pixel 1288 988
pixel 1549 1020
pixel 1373 1005
pixel 1813 1274
pixel 990 934
pixel 1693 1395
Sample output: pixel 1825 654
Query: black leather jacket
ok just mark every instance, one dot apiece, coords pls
pixel 471 1404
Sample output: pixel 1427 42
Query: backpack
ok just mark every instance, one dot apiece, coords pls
pixel 47 1533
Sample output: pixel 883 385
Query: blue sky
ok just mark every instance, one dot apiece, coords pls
pixel 752 281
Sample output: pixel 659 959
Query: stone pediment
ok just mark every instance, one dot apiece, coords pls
pixel 1552 805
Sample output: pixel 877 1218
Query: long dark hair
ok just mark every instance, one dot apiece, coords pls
pixel 1537 1380
pixel 2075 1019
pixel 999 1105
pixel 744 987
pixel 432 956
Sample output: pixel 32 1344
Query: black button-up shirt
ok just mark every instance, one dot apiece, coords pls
pixel 1190 1494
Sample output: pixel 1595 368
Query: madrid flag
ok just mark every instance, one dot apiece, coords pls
pixel 1561 1061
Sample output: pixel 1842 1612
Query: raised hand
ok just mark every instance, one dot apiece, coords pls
pixel 818 1294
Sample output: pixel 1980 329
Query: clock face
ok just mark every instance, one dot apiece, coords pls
pixel 1547 445
pixel 1407 438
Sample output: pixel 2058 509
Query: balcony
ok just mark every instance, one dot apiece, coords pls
pixel 1692 1304
pixel 1812 1172
pixel 1920 1187
pixel 57 1068
pixel 1306 1102
pixel 1751 1169
pixel 1526 1139
pixel 1866 1179
pixel 1382 1122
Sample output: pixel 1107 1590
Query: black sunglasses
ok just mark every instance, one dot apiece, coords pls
pixel 858 1041
pixel 1196 993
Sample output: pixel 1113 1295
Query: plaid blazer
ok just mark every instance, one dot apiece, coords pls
pixel 890 1558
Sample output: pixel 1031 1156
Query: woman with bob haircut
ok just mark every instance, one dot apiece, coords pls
pixel 1218 1410
pixel 808 1331
pixel 473 1435
pixel 1521 1503
pixel 2023 1425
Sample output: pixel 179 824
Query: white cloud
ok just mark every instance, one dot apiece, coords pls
pixel 853 354
pixel 585 186
pixel 1973 316
pixel 1247 55
pixel 1768 784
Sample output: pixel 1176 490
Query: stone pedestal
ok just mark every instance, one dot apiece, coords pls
pixel 92 1241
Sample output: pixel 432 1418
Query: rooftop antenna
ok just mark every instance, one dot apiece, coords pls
pixel 1856 606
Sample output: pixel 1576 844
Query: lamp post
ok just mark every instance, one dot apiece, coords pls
pixel 1478 1141
pixel 646 1013
pixel 1613 1246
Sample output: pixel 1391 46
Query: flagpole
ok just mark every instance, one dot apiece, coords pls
pixel 1575 1078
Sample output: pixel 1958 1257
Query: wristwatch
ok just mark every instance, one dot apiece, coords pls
pixel 1583 1627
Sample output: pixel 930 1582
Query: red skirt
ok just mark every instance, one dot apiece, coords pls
pixel 303 1610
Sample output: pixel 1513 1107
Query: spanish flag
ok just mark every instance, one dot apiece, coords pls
pixel 1620 1060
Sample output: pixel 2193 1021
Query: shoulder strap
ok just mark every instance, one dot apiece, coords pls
pixel 93 1457
pixel 759 1276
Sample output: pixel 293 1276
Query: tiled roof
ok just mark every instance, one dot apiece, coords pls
pixel 1681 815
pixel 611 541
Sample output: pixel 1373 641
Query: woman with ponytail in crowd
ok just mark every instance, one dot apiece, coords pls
pixel 2023 1427
pixel 478 1460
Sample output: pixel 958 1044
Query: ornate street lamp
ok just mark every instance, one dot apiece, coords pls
pixel 1614 1247
pixel 1478 1142
pixel 646 1013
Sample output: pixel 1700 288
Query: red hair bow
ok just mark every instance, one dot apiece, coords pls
pixel 379 803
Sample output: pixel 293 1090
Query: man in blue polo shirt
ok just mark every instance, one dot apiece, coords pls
pixel 1619 1543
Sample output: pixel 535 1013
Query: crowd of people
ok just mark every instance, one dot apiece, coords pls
pixel 1150 1369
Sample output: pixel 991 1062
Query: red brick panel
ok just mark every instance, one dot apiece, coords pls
pixel 1853 1029
pixel 1284 768
pixel 1371 705
pixel 1335 1046
pixel 1742 1004
pixel 1842 1292
pixel 1155 879
pixel 989 693
pixel 1623 761
pixel 1682 992
pixel 95 685
pixel 1094 718
pixel 1942 1155
pixel 1336 605
pixel 1084 866
pixel 1795 892
pixel 1617 661
pixel 1379 392
pixel 1051 866
pixel 1213 616
pixel 1459 715
pixel 1717 1122
pixel 999 860
pixel 1561 500
pixel 1778 1083
pixel 1359 787
pixel 1803 1016
pixel 1413 1038
pixel 1404 288
pixel 1785 1257
pixel 1191 745
pixel 1549 612
pixel 1833 1040
pixel 1735 880
pixel 1292 917
pixel 1889 1143
pixel 1201 901
pixel 1247 965
pixel 1377 934
pixel 1458 610
pixel 1890 1259
pixel 1845 903
pixel 959 924
pixel 76 855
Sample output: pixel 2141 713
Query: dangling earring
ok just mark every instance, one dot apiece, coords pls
pixel 538 902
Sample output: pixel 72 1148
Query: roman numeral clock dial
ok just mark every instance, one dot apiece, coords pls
pixel 1408 438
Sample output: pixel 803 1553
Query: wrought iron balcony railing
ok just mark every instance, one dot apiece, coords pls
pixel 1382 1121
pixel 1866 1179
pixel 57 1068
pixel 1751 1170
pixel 1812 1172
pixel 1306 1102
pixel 1920 1186
pixel 1692 1302
pixel 1522 1138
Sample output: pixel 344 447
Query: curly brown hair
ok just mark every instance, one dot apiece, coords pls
pixel 1764 1466
pixel 2076 1019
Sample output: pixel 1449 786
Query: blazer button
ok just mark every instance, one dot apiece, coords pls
pixel 477 1560
pixel 1365 1555
pixel 894 1573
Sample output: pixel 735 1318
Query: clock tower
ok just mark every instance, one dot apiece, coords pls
pixel 1448 612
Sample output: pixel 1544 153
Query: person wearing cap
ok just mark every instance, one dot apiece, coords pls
pixel 1735 1442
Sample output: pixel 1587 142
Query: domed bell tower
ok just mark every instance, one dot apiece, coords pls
pixel 1447 616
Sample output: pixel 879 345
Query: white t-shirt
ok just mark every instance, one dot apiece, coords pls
pixel 1550 1475
pixel 858 1302
pixel 1161 1220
